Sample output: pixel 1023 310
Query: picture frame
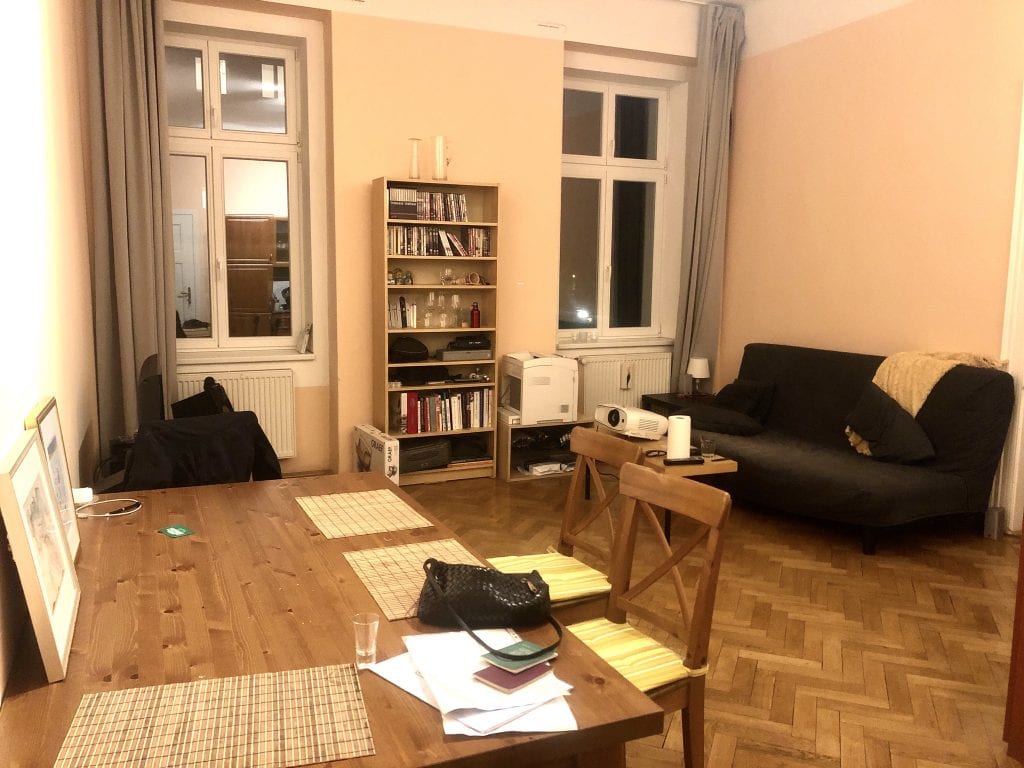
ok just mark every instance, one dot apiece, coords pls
pixel 36 537
pixel 45 418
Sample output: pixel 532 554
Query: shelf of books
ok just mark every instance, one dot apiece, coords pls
pixel 435 253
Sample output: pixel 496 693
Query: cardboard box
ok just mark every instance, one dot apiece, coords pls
pixel 374 451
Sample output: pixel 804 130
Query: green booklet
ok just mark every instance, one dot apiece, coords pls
pixel 522 648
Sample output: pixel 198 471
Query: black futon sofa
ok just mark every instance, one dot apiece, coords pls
pixel 794 404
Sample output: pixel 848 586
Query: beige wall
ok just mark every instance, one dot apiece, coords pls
pixel 872 184
pixel 498 100
pixel 46 308
pixel 312 437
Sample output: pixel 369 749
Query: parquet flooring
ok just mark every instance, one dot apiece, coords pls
pixel 820 656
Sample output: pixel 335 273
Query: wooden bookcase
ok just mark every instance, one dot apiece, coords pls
pixel 411 264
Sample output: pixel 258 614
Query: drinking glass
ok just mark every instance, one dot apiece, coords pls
pixel 707 448
pixel 364 625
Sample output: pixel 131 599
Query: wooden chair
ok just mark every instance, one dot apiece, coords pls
pixel 674 680
pixel 574 584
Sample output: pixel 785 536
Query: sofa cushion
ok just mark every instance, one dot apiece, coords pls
pixel 786 473
pixel 753 398
pixel 815 389
pixel 710 418
pixel 891 433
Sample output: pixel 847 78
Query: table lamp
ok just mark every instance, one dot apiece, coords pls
pixel 698 369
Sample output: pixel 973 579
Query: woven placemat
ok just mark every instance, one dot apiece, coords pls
pixel 394 575
pixel 272 720
pixel 358 513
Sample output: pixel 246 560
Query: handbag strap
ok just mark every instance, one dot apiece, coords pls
pixel 432 579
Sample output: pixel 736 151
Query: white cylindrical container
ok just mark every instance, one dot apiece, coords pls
pixel 678 437
pixel 414 158
pixel 440 161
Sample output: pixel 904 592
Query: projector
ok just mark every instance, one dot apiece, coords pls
pixel 632 422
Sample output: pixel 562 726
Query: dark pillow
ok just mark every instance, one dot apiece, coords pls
pixel 754 398
pixel 710 418
pixel 892 433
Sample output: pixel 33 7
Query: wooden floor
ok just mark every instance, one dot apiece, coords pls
pixel 820 656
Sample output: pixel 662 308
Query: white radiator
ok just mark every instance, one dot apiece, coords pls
pixel 622 379
pixel 268 394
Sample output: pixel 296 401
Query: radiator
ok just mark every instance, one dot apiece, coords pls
pixel 622 379
pixel 268 394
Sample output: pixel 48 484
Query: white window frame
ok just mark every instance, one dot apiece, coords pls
pixel 608 169
pixel 219 269
pixel 216 144
pixel 211 48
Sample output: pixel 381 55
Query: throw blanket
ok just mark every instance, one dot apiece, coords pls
pixel 908 378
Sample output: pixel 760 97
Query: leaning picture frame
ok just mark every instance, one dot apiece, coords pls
pixel 40 550
pixel 46 419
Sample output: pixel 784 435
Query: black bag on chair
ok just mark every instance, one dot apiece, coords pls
pixel 474 597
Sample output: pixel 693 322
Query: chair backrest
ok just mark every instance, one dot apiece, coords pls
pixel 150 400
pixel 200 450
pixel 593 448
pixel 213 399
pixel 691 564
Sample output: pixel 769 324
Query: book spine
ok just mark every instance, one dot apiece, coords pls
pixel 412 413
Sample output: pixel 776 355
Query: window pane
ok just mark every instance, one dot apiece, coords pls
pixel 185 87
pixel 252 93
pixel 636 127
pixel 191 245
pixel 581 122
pixel 580 243
pixel 257 247
pixel 632 253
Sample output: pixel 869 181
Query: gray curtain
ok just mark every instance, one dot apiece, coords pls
pixel 708 130
pixel 132 254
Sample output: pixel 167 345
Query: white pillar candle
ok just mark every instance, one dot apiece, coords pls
pixel 440 163
pixel 678 437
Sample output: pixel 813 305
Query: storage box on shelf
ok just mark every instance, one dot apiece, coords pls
pixel 435 251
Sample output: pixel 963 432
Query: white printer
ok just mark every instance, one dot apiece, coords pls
pixel 539 389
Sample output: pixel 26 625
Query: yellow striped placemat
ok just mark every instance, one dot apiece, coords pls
pixel 357 513
pixel 273 720
pixel 394 575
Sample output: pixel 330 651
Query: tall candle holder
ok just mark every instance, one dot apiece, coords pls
pixel 440 159
pixel 414 158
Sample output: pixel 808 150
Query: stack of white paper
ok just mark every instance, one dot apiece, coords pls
pixel 438 669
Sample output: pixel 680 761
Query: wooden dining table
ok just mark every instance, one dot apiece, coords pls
pixel 258 588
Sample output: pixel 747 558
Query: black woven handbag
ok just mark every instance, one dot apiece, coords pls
pixel 473 597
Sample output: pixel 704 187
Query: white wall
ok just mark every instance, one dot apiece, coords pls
pixel 772 24
pixel 654 26
pixel 46 307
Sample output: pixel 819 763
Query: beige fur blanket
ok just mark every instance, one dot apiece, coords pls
pixel 908 378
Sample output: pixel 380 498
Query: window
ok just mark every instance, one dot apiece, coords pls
pixel 614 167
pixel 239 209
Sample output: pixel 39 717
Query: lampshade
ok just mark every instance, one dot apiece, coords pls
pixel 698 368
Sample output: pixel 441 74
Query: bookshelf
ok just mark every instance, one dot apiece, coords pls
pixel 435 253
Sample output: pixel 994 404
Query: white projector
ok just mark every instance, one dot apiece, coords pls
pixel 632 422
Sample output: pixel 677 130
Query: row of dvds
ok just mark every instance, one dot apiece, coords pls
pixel 404 240
pixel 408 203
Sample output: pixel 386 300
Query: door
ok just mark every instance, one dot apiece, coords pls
pixel 183 230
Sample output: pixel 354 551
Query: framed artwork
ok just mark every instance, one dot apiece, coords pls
pixel 40 550
pixel 45 418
